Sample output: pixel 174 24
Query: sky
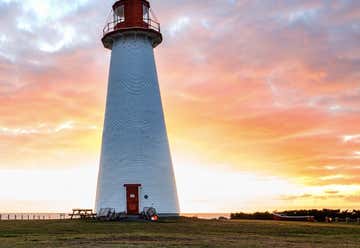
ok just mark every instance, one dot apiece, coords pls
pixel 261 99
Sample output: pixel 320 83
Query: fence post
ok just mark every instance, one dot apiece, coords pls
pixel 347 219
pixel 358 220
pixel 336 219
pixel 15 217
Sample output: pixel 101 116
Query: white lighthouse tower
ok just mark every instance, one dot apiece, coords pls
pixel 135 168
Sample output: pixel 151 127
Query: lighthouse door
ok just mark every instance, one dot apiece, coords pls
pixel 132 198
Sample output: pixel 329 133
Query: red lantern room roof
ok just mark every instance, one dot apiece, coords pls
pixel 131 16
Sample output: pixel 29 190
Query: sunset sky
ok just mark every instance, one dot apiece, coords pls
pixel 261 98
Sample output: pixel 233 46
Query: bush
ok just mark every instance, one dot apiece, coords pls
pixel 253 216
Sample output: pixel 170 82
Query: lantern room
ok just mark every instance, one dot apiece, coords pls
pixel 131 16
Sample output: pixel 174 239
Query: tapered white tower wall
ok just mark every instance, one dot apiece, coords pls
pixel 135 148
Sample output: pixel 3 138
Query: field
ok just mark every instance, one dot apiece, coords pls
pixel 179 233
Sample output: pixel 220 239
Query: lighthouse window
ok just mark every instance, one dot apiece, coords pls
pixel 146 15
pixel 146 197
pixel 119 14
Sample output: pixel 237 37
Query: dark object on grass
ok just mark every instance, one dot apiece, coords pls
pixel 109 214
pixel 149 213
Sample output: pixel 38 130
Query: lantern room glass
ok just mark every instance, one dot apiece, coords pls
pixel 146 14
pixel 119 14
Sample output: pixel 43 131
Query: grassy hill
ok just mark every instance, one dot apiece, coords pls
pixel 180 233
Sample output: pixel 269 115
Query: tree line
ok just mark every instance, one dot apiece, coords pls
pixel 319 215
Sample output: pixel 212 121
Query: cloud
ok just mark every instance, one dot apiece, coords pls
pixel 44 129
pixel 48 9
pixel 179 25
pixel 351 138
pixel 332 192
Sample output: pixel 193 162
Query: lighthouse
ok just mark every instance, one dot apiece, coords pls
pixel 136 169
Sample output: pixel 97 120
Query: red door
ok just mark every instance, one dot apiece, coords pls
pixel 132 198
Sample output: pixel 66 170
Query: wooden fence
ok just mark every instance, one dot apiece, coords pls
pixel 19 216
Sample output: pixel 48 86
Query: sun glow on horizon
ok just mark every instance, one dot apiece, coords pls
pixel 262 119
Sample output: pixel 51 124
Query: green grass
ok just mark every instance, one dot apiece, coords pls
pixel 180 233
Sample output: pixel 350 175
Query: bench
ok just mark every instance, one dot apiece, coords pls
pixel 83 214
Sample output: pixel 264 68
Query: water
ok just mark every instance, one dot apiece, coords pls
pixel 206 215
pixel 58 216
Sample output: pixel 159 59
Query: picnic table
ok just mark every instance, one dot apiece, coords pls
pixel 83 214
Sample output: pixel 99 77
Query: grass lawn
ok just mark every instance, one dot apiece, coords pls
pixel 179 233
